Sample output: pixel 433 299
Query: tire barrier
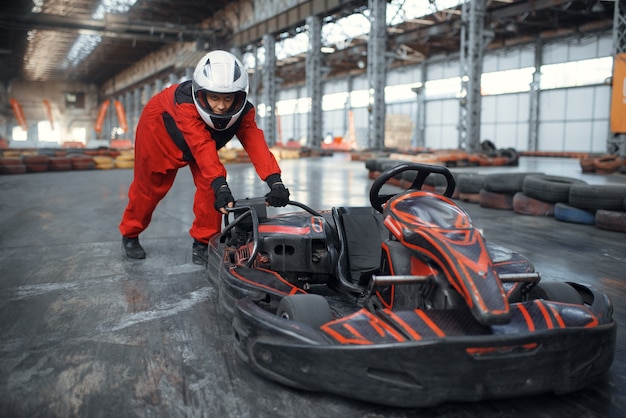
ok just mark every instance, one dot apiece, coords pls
pixel 564 198
pixel 553 189
pixel 511 155
pixel 487 199
pixel 598 196
pixel 611 220
pixel 81 162
pixel 509 183
pixel 36 163
pixel 566 213
pixel 586 164
pixel 103 162
pixel 12 165
pixel 469 186
pixel 470 197
pixel 59 164
pixel 470 183
pixel 526 205
pixel 125 160
pixel 31 160
pixel 607 164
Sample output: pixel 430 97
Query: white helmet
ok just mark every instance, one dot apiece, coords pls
pixel 220 72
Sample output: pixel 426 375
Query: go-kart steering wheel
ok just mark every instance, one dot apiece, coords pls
pixel 423 170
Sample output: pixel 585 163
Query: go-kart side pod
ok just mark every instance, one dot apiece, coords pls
pixel 435 227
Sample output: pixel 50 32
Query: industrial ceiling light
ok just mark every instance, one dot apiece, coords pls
pixel 85 44
pixel 597 7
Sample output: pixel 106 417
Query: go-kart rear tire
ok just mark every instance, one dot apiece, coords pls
pixel 556 292
pixel 309 309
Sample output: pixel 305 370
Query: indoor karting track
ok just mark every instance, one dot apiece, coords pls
pixel 85 332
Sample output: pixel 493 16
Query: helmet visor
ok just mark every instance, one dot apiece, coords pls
pixel 219 104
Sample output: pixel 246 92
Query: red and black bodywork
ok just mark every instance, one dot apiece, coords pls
pixel 421 308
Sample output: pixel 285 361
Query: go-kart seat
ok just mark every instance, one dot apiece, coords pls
pixel 361 232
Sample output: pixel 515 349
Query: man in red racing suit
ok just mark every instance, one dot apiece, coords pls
pixel 177 129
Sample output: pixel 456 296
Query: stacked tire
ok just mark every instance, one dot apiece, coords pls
pixel 469 186
pixel 36 163
pixel 602 164
pixel 607 164
pixel 607 202
pixel 81 162
pixel 12 165
pixel 103 162
pixel 126 159
pixel 537 194
pixel 60 164
pixel 548 195
pixel 499 190
pixel 576 201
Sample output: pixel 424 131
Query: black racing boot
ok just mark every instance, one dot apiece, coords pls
pixel 200 253
pixel 132 248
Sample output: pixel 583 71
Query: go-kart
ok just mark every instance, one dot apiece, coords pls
pixel 403 303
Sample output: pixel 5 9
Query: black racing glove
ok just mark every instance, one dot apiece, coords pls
pixel 223 196
pixel 278 195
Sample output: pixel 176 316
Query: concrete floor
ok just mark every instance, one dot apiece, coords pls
pixel 85 332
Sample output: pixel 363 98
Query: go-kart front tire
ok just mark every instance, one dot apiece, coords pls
pixel 557 292
pixel 309 309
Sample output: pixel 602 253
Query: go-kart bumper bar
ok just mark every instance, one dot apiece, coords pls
pixel 423 373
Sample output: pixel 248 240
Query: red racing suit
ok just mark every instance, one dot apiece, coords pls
pixel 170 135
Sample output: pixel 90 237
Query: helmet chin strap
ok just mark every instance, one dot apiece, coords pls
pixel 220 123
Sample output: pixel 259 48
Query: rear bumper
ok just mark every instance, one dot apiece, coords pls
pixel 423 373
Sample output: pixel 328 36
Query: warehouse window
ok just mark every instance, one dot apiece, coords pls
pixel 576 73
pixel 291 106
pixel 79 134
pixel 46 133
pixel 19 134
pixel 359 98
pixel 401 92
pixel 334 101
pixel 443 89
pixel 509 81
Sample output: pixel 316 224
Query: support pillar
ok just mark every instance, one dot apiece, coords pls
pixel 137 108
pixel 253 94
pixel 533 116
pixel 376 73
pixel 473 41
pixel 189 73
pixel 128 106
pixel 269 89
pixel 172 79
pixel 314 81
pixel 158 86
pixel 419 140
pixel 296 117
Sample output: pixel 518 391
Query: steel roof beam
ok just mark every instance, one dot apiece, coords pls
pixel 110 27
